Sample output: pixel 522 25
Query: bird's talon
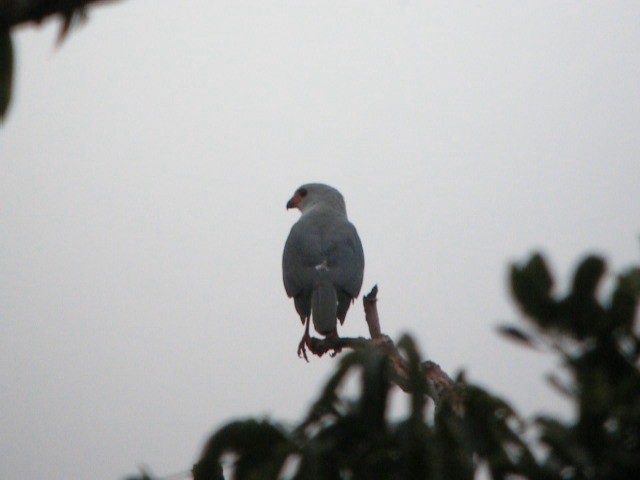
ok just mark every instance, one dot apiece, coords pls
pixel 335 352
pixel 302 351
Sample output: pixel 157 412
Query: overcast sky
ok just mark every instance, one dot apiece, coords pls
pixel 145 167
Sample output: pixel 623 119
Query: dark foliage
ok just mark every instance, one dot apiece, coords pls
pixel 352 438
pixel 15 13
pixel 6 71
pixel 599 347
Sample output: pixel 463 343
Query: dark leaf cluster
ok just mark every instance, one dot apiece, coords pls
pixel 353 438
pixel 6 71
pixel 14 13
pixel 599 347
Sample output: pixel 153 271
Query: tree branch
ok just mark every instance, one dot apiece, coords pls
pixel 16 12
pixel 438 382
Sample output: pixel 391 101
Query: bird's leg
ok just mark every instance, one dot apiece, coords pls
pixel 334 336
pixel 305 342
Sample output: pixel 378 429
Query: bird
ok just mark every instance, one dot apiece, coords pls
pixel 322 262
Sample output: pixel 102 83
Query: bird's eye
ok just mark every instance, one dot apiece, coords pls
pixel 302 192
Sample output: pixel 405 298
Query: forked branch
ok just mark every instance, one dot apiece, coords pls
pixel 438 381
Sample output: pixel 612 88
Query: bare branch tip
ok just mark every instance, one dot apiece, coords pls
pixel 372 296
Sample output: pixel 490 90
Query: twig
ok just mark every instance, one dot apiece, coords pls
pixel 438 382
pixel 16 12
pixel 370 302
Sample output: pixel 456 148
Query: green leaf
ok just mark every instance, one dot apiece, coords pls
pixel 415 444
pixel 6 72
pixel 261 448
pixel 518 335
pixel 588 276
pixel 560 386
pixel 581 314
pixel 417 380
pixel 531 285
pixel 207 469
pixel 538 271
pixel 624 301
pixel 565 448
pixel 489 427
pixel 375 387
pixel 329 400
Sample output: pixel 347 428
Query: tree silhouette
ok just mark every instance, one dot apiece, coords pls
pixel 345 438
pixel 14 13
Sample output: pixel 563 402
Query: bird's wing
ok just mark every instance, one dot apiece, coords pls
pixel 302 252
pixel 345 256
pixel 323 238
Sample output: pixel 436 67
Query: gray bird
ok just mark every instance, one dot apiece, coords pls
pixel 323 261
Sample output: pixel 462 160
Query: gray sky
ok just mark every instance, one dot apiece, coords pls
pixel 146 164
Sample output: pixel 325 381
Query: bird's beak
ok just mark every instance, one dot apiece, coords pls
pixel 293 202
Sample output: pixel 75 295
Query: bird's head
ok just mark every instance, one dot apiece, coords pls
pixel 313 194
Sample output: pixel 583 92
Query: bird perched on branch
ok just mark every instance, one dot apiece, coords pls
pixel 323 260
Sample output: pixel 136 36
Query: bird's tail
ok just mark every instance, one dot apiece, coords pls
pixel 324 306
